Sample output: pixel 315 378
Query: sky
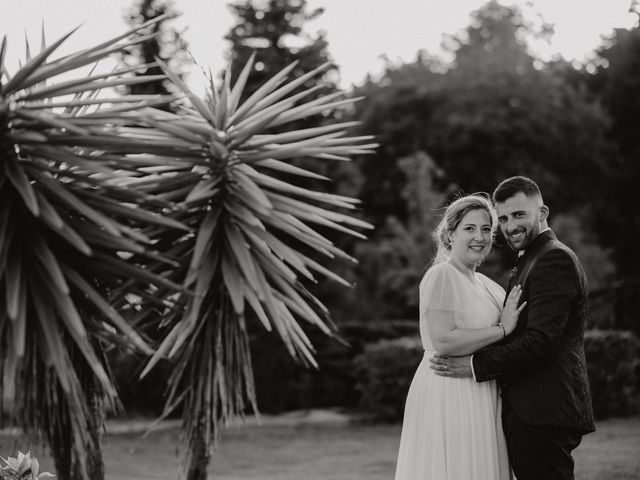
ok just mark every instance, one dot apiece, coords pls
pixel 359 32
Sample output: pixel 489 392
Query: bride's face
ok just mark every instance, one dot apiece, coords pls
pixel 471 240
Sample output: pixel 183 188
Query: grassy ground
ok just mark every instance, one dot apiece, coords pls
pixel 329 449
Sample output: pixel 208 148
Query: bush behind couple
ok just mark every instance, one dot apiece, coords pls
pixel 502 388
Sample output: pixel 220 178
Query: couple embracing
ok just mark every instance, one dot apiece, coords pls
pixel 502 389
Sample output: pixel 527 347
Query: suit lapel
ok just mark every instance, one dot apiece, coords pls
pixel 524 262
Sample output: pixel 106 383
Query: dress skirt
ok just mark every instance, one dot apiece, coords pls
pixel 452 429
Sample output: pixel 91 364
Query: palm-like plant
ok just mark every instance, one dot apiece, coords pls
pixel 254 253
pixel 80 179
pixel 66 228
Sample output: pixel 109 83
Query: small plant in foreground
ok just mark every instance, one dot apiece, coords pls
pixel 22 467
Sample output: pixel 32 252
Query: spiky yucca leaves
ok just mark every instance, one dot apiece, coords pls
pixel 66 229
pixel 252 255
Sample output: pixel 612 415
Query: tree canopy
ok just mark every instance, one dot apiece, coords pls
pixel 274 30
pixel 493 112
pixel 167 43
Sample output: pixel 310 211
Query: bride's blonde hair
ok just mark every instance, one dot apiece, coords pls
pixel 452 217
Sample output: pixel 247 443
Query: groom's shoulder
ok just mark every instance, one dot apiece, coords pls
pixel 558 266
pixel 557 256
pixel 552 247
pixel 555 251
pixel 559 250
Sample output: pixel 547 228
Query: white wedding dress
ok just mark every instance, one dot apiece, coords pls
pixel 452 428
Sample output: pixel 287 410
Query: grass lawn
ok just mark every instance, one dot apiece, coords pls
pixel 329 449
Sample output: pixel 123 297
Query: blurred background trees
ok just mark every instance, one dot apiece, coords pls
pixel 490 115
pixel 616 85
pixel 461 123
pixel 493 111
pixel 275 31
pixel 168 44
pixel 446 126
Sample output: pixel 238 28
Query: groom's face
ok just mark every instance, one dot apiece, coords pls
pixel 519 219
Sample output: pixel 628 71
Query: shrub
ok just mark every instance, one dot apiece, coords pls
pixel 139 397
pixel 282 385
pixel 384 374
pixel 613 363
pixel 385 369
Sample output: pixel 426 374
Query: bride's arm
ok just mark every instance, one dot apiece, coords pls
pixel 449 340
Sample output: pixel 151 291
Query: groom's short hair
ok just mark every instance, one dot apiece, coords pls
pixel 514 185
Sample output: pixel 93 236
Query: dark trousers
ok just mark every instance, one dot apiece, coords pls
pixel 540 452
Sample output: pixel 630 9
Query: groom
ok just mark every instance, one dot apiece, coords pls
pixel 541 366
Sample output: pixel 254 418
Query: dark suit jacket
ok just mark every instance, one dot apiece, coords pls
pixel 541 366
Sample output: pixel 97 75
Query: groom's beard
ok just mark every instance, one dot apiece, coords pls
pixel 520 238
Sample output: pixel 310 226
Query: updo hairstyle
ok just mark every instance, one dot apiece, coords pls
pixel 453 215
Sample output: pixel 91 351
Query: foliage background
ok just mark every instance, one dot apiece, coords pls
pixel 445 127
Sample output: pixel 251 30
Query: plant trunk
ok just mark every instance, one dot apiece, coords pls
pixel 199 456
pixel 94 460
pixel 62 441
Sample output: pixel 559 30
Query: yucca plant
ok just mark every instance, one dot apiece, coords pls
pixel 254 253
pixel 68 224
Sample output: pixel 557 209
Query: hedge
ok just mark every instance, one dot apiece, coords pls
pixel 281 384
pixel 371 369
pixel 385 370
pixel 613 363
pixel 384 374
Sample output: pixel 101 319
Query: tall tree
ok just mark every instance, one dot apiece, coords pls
pixel 495 112
pixel 503 116
pixel 397 110
pixel 495 41
pixel 274 30
pixel 616 84
pixel 166 43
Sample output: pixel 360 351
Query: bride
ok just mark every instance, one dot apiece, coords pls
pixel 452 427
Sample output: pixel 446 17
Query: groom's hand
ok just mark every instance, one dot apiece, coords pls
pixel 458 367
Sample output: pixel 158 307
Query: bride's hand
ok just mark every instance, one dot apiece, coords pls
pixel 511 311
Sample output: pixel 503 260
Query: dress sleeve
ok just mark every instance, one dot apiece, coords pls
pixel 441 290
pixel 494 289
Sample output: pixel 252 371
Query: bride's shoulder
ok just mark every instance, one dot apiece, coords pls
pixel 439 272
pixel 443 288
pixel 442 268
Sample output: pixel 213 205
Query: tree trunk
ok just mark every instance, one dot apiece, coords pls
pixel 94 460
pixel 199 456
pixel 62 440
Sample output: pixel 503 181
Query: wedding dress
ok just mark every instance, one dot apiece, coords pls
pixel 452 428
